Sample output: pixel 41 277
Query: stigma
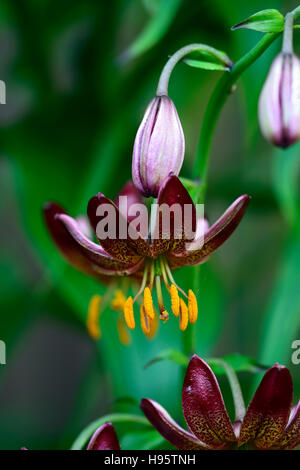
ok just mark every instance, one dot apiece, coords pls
pixel 158 271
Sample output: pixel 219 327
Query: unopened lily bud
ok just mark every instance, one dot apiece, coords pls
pixel 279 103
pixel 158 147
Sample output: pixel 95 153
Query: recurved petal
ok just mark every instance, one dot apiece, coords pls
pixel 128 197
pixel 100 260
pixel 64 241
pixel 168 428
pixel 105 438
pixel 215 236
pixel 269 409
pixel 290 438
pixel 203 406
pixel 173 227
pixel 111 229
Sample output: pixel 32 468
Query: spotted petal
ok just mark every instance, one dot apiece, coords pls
pixel 269 409
pixel 65 242
pixel 100 260
pixel 214 237
pixel 290 438
pixel 168 428
pixel 116 240
pixel 105 438
pixel 178 225
pixel 203 406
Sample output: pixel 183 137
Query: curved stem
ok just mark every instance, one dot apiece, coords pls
pixel 218 98
pixel 238 399
pixel 162 88
pixel 81 441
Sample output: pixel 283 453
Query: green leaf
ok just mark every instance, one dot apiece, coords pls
pixel 163 15
pixel 265 21
pixel 170 355
pixel 208 58
pixel 238 362
pixel 282 321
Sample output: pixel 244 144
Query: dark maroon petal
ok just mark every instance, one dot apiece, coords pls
pixel 65 243
pixel 215 236
pixel 203 406
pixel 168 428
pixel 117 242
pixel 269 409
pixel 290 438
pixel 105 438
pixel 133 197
pixel 100 260
pixel 172 232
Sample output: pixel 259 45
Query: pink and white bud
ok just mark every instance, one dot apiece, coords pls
pixel 158 147
pixel 279 102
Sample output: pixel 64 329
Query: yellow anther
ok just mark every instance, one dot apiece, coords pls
pixel 118 302
pixel 164 316
pixel 148 303
pixel 193 307
pixel 183 316
pixel 123 332
pixel 128 313
pixel 92 321
pixel 154 325
pixel 145 321
pixel 174 300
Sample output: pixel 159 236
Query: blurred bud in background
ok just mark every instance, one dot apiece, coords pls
pixel 279 103
pixel 158 147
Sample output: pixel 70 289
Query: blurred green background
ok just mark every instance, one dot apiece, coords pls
pixel 79 75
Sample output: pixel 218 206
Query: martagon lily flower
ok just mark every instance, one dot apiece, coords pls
pixel 145 259
pixel 269 422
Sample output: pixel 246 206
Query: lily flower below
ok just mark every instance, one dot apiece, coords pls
pixel 269 422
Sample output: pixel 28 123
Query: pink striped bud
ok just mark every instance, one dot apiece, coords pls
pixel 279 103
pixel 158 147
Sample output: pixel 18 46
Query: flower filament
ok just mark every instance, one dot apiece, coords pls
pixel 155 271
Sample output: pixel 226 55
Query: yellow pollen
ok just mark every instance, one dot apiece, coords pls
pixel 148 303
pixel 118 302
pixel 92 321
pixel 183 316
pixel 128 313
pixel 164 316
pixel 193 307
pixel 145 321
pixel 174 300
pixel 123 332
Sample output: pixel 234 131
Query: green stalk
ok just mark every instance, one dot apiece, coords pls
pixel 217 101
pixel 238 399
pixel 221 92
pixel 81 441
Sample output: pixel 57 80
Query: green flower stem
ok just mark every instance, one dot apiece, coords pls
pixel 218 99
pixel 287 45
pixel 238 399
pixel 162 88
pixel 83 438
